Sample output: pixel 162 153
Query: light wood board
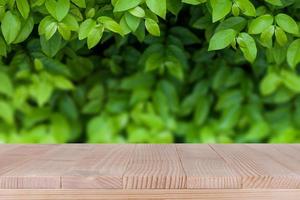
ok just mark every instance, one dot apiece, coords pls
pixel 117 194
pixel 150 171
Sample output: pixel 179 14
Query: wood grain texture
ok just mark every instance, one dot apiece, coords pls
pixel 103 167
pixel 116 194
pixel 182 166
pixel 204 168
pixel 257 170
pixel 154 167
pixel 13 156
pixel 6 147
pixel 286 155
pixel 39 166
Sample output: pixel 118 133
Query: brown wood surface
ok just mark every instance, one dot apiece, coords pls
pixel 154 167
pixel 179 194
pixel 172 167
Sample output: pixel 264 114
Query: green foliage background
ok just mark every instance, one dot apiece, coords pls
pixel 149 71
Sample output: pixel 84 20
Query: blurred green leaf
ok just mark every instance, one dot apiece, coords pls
pixel 6 86
pixel 259 24
pixel 222 39
pixel 220 9
pixel 10 26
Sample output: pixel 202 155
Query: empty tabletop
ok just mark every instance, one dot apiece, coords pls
pixel 150 166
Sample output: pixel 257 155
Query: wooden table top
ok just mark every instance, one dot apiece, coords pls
pixel 175 166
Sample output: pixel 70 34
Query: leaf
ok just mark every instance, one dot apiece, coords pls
pixel 58 9
pixel 62 9
pixel 257 132
pixel 23 7
pixel 36 3
pixel 174 6
pixel 194 2
pixel 64 31
pixel 110 24
pixel 140 32
pixel 132 21
pixel 89 14
pixel 68 107
pixel 62 83
pixel 202 110
pixel 7 112
pixel 52 46
pixel 259 24
pixel 270 84
pixel 293 53
pixel 6 86
pixel 85 28
pixel 278 53
pixel 287 23
pixel 100 129
pixel 291 80
pixel 247 7
pixel 124 25
pixel 185 35
pixel 95 36
pixel 79 3
pixel 152 27
pixel 51 7
pixel 50 30
pixel 275 2
pixel 92 107
pixel 266 37
pixel 60 128
pixel 220 8
pixel 26 30
pixel 207 135
pixel 137 12
pixel 236 23
pixel 248 46
pixel 41 91
pixel 10 26
pixel 3 48
pixel 281 37
pixel 230 117
pixel 138 135
pixel 228 99
pixel 44 26
pixel 174 68
pixel 235 10
pixel 158 7
pixel 222 39
pixel 123 5
pixel 38 65
pixel 70 22
pixel 154 61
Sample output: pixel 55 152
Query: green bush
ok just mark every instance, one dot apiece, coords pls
pixel 149 71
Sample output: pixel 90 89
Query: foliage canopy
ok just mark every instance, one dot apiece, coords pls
pixel 149 71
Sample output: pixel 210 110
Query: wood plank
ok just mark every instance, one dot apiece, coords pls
pixel 205 168
pixel 257 170
pixel 295 147
pixel 184 166
pixel 27 150
pixel 283 154
pixel 6 147
pixel 40 168
pixel 102 168
pixel 8 162
pixel 71 152
pixel 14 156
pixel 154 167
pixel 39 174
pixel 116 194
